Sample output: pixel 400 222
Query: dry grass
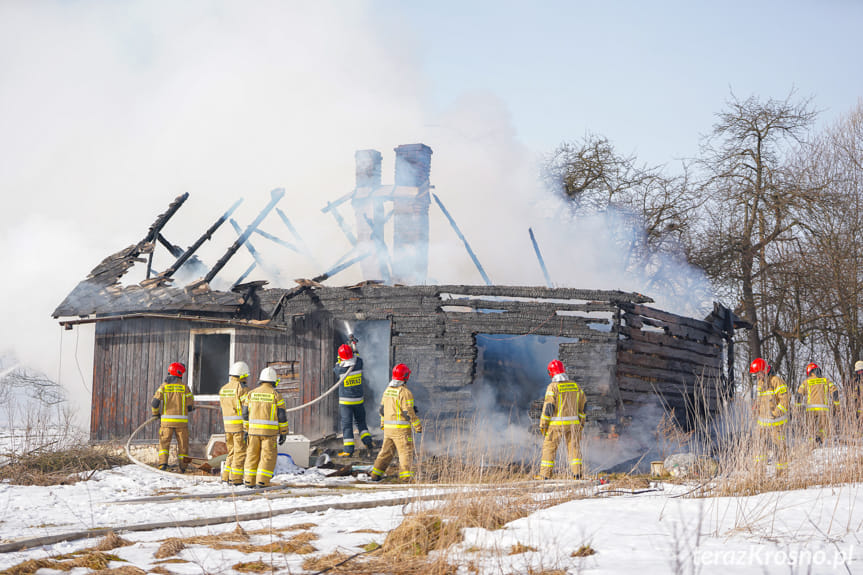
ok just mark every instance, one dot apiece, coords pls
pixel 124 570
pixel 111 541
pixel 169 548
pixel 330 561
pixel 418 535
pixel 519 548
pixel 583 551
pixel 238 540
pixel 92 560
pixel 628 482
pixel 299 526
pixel 733 445
pixel 251 567
pixel 161 570
pixel 59 467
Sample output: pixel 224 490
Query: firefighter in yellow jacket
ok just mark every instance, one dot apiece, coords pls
pixel 230 396
pixel 854 396
pixel 264 420
pixel 771 411
pixel 172 404
pixel 562 419
pixel 820 397
pixel 398 416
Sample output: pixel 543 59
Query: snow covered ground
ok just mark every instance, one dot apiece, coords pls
pixel 807 531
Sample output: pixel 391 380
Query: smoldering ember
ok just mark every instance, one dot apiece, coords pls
pixel 458 339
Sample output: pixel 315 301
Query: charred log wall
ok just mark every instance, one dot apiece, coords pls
pixel 434 332
pixel 675 359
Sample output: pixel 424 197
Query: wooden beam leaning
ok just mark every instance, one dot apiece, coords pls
pixel 275 196
pixel 194 247
pixel 463 240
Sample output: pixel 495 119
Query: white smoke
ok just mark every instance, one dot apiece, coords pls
pixel 112 110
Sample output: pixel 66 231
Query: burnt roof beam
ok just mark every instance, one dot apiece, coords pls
pixel 463 240
pixel 381 249
pixel 155 231
pixel 255 254
pixel 277 240
pixel 342 224
pixel 539 257
pixel 304 248
pixel 194 247
pixel 341 266
pixel 275 196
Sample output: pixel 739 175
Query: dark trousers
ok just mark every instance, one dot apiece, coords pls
pixel 348 414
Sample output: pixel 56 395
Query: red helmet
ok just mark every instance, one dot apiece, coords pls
pixel 810 368
pixel 555 367
pixel 401 372
pixel 177 369
pixel 757 365
pixel 345 351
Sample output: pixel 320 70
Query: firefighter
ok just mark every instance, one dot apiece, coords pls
pixel 349 370
pixel 854 395
pixel 818 395
pixel 562 419
pixel 771 411
pixel 264 420
pixel 230 396
pixel 398 417
pixel 172 404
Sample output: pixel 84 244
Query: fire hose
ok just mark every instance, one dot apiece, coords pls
pixel 140 463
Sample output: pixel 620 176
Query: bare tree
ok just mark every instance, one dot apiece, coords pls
pixel 754 196
pixel 830 264
pixel 651 210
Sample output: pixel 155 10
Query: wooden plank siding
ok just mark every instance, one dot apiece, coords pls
pixel 622 352
pixel 131 361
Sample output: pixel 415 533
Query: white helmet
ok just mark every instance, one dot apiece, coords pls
pixel 239 369
pixel 269 374
pixel 858 366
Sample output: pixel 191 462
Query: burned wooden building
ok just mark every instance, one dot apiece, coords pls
pixel 456 339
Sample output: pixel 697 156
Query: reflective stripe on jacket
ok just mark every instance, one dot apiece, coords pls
pixel 262 406
pixel 772 402
pixel 820 393
pixel 564 404
pixel 351 388
pixel 229 398
pixel 398 411
pixel 174 400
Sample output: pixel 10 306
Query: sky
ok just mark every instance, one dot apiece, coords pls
pixel 110 109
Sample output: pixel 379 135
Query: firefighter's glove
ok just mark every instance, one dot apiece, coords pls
pixel 246 437
pixel 158 416
pixel 190 409
pixel 543 431
pixel 418 429
pixel 282 439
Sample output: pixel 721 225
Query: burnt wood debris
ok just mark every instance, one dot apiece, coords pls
pixel 623 353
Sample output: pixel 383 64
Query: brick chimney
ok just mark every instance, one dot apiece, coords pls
pixel 369 212
pixel 411 199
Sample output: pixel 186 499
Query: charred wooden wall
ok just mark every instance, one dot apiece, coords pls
pixel 674 359
pixel 623 353
pixel 433 330
pixel 132 355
